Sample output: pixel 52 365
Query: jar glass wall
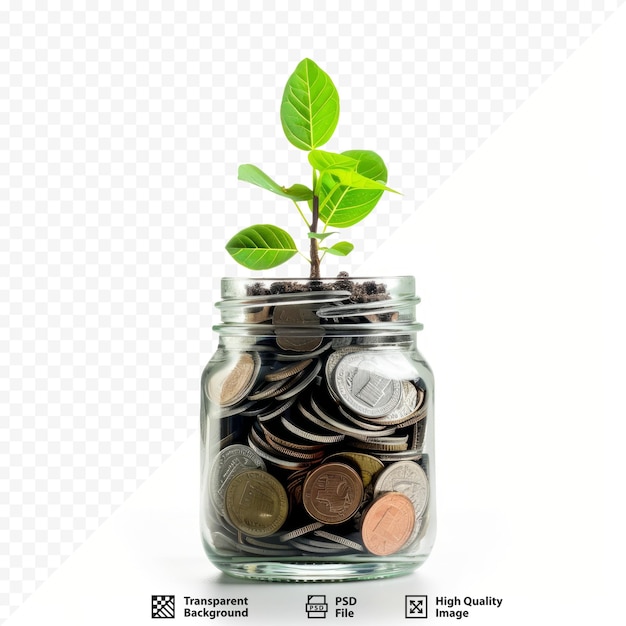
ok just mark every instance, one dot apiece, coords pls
pixel 317 431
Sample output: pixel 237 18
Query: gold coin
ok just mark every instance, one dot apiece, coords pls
pixel 256 503
pixel 367 464
pixel 388 523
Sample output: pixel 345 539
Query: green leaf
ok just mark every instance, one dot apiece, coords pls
pixel 309 111
pixel 322 160
pixel 320 235
pixel 252 174
pixel 341 248
pixel 342 206
pixel 348 178
pixel 261 247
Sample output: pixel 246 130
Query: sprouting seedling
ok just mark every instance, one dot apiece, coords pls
pixel 345 187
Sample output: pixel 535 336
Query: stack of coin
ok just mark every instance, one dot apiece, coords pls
pixel 350 502
pixel 321 434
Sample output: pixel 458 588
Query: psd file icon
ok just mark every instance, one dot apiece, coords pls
pixel 316 607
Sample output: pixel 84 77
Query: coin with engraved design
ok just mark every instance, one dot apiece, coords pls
pixel 361 383
pixel 229 462
pixel 388 524
pixel 297 328
pixel 405 477
pixel 230 385
pixel 256 503
pixel 332 493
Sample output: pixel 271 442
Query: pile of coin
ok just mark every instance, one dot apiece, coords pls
pixel 321 440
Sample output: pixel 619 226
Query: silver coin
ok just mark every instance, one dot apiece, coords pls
pixel 386 341
pixel 346 429
pixel 348 543
pixel 272 390
pixel 304 355
pixel 308 433
pixel 341 342
pixel 269 545
pixel 377 310
pixel 331 365
pixel 262 551
pixel 257 408
pixel 223 544
pixel 408 478
pixel 403 455
pixel 280 435
pixel 360 422
pixel 298 532
pixel 380 445
pixel 313 417
pixel 318 547
pixel 275 460
pixel 405 407
pixel 279 410
pixel 307 379
pixel 295 455
pixel 417 436
pixel 239 409
pixel 335 357
pixel 361 385
pixel 228 463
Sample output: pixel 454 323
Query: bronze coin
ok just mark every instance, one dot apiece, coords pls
pixel 332 493
pixel 256 503
pixel 297 328
pixel 388 524
pixel 288 371
pixel 258 315
pixel 229 386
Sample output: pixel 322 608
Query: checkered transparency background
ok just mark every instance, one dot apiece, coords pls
pixel 121 129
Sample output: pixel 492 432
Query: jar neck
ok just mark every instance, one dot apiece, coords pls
pixel 364 306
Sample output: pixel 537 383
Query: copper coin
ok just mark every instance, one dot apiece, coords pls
pixel 332 493
pixel 297 328
pixel 256 503
pixel 388 524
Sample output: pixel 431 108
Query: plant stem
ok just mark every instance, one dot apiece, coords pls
pixel 314 247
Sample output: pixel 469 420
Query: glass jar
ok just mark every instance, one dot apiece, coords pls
pixel 317 431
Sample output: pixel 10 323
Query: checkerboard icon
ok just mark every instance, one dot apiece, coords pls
pixel 163 606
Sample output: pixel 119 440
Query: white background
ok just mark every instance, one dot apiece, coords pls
pixel 519 260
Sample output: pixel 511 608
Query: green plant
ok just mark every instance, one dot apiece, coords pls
pixel 345 187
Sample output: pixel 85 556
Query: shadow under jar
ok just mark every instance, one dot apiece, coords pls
pixel 317 432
